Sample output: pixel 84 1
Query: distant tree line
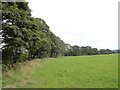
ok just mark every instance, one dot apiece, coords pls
pixel 27 38
pixel 116 51
pixel 85 50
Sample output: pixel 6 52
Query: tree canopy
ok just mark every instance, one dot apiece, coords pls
pixel 26 37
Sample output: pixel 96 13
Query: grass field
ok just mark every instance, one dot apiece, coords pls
pixel 99 71
pixel 0 76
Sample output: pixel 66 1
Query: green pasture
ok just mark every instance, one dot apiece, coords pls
pixel 100 71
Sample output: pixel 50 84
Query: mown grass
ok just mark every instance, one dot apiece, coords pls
pixel 99 71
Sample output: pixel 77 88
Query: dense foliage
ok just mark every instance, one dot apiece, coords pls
pixel 26 37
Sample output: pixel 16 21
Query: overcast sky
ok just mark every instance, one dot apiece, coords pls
pixel 80 22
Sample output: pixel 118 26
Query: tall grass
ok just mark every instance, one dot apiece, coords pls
pixel 20 74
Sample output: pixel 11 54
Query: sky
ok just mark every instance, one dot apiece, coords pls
pixel 80 22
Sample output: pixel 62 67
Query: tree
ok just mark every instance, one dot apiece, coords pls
pixel 68 50
pixel 14 19
pixel 95 51
pixel 26 37
pixel 89 50
pixel 83 50
pixel 55 46
pixel 108 51
pixel 102 51
pixel 75 50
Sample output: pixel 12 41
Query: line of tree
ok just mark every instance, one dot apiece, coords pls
pixel 77 51
pixel 116 51
pixel 27 38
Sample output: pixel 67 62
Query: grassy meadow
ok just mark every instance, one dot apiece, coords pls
pixel 100 71
pixel 0 76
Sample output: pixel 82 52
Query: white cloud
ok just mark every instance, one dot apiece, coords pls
pixel 81 22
